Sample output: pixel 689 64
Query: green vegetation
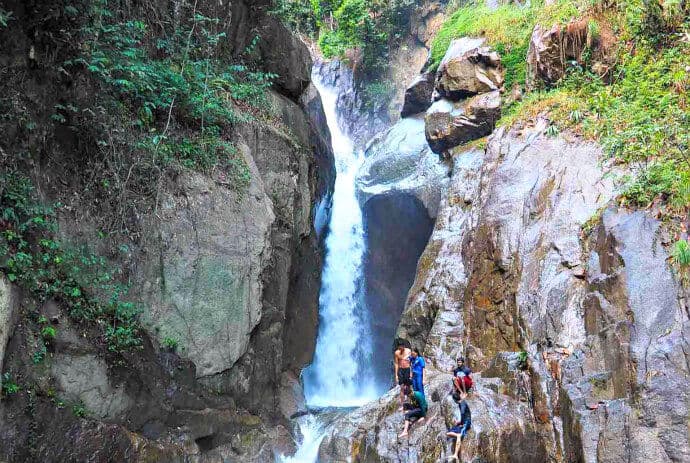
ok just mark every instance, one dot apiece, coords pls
pixel 5 17
pixel 179 82
pixel 508 29
pixel 680 254
pixel 79 410
pixel 640 115
pixel 9 387
pixel 31 257
pixel 363 30
pixel 170 343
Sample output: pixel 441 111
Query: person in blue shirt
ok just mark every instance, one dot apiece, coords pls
pixel 418 368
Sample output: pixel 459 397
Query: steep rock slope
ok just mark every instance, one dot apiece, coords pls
pixel 508 268
pixel 230 276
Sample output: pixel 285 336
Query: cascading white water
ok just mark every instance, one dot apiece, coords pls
pixel 341 374
pixel 338 377
pixel 313 433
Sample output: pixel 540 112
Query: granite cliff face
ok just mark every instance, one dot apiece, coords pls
pixel 508 268
pixel 564 303
pixel 233 277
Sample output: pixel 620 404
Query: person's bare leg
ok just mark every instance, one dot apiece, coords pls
pixel 458 448
pixel 407 426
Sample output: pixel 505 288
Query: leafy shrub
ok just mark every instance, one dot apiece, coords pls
pixel 369 29
pixel 34 259
pixel 170 343
pixel 48 333
pixel 79 410
pixel 9 387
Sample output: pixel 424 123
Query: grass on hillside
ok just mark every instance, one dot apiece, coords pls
pixel 508 29
pixel 641 118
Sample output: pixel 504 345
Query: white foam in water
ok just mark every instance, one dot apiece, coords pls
pixel 335 378
pixel 313 433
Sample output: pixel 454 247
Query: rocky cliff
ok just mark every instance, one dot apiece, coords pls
pixel 228 278
pixel 564 302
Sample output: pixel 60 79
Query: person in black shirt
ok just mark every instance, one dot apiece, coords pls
pixel 461 428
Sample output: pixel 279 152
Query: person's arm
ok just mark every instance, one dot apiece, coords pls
pixel 423 371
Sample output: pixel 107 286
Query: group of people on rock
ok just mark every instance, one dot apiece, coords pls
pixel 410 375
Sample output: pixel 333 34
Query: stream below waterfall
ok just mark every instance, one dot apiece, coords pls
pixel 341 374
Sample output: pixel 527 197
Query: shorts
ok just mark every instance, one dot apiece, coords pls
pixel 461 430
pixel 414 413
pixel 404 376
pixel 465 380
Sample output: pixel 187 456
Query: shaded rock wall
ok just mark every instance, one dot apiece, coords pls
pixel 397 230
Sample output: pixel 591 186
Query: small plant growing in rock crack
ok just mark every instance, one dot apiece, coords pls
pixel 5 17
pixel 681 259
pixel 48 333
pixel 79 410
pixel 522 360
pixel 9 387
pixel 170 343
pixel 553 131
pixel 40 353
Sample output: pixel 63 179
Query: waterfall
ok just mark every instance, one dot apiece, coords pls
pixel 341 374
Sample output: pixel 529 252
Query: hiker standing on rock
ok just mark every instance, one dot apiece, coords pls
pixel 403 373
pixel 462 427
pixel 418 366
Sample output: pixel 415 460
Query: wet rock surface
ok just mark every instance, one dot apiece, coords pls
pixel 399 186
pixel 600 319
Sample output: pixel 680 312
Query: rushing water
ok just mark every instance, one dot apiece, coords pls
pixel 341 373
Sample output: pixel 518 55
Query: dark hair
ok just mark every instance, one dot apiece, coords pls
pixel 460 358
pixel 456 397
pixel 416 350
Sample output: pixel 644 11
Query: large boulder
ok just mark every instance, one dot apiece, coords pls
pixel 602 317
pixel 551 49
pixel 204 291
pixel 468 69
pixel 400 161
pixel 418 96
pixel 449 125
pixel 503 430
pixel 84 379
